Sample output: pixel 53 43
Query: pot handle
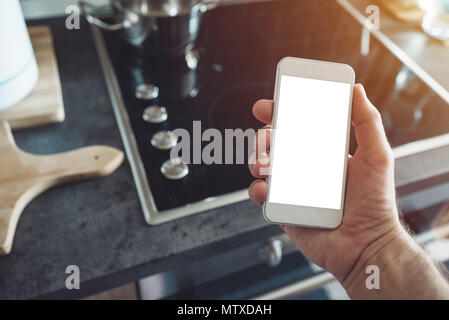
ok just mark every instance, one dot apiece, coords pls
pixel 211 4
pixel 91 18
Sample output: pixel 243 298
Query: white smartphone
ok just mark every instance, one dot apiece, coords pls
pixel 309 143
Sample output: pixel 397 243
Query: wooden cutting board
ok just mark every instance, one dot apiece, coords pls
pixel 23 176
pixel 44 104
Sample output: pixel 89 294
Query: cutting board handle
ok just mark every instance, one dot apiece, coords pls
pixel 23 176
pixel 79 164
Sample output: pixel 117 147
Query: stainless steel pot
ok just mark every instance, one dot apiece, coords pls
pixel 162 25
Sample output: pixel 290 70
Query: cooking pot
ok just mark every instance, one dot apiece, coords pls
pixel 162 25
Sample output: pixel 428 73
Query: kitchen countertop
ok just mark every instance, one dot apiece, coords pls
pixel 428 53
pixel 98 224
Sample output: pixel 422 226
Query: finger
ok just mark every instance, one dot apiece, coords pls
pixel 305 237
pixel 259 161
pixel 259 165
pixel 262 141
pixel 369 130
pixel 263 110
pixel 299 233
pixel 258 191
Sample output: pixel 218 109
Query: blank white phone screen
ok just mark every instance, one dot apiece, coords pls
pixel 310 143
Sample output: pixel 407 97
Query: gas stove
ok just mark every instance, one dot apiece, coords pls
pixel 233 64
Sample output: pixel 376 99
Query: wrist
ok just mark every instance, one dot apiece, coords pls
pixel 394 246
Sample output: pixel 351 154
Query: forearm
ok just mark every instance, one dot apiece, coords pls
pixel 405 271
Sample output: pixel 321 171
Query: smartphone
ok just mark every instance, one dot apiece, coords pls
pixel 309 143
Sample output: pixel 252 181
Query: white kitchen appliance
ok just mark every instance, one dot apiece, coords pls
pixel 18 68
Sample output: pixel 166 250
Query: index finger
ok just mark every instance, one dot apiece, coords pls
pixel 263 110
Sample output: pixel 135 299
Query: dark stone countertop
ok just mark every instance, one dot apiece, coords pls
pixel 98 225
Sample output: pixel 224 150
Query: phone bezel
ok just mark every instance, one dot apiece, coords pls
pixel 287 214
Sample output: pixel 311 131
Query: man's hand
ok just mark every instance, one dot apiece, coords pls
pixel 370 233
pixel 370 213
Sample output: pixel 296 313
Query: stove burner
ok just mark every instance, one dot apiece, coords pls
pixel 174 169
pixel 164 140
pixel 155 114
pixel 147 91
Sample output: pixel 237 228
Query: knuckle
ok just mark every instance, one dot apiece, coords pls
pixel 375 114
pixel 386 157
pixel 252 160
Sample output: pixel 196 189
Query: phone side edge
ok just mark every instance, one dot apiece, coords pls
pixel 348 137
pixel 273 123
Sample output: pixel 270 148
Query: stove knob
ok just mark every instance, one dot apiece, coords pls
pixel 192 59
pixel 155 114
pixel 271 252
pixel 174 169
pixel 146 91
pixel 164 140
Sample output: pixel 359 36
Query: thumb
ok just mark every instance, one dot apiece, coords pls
pixel 369 131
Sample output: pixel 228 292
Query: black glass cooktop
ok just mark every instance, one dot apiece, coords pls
pixel 238 49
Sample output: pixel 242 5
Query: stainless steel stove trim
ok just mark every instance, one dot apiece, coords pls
pixel 298 288
pixel 152 215
pixel 420 145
